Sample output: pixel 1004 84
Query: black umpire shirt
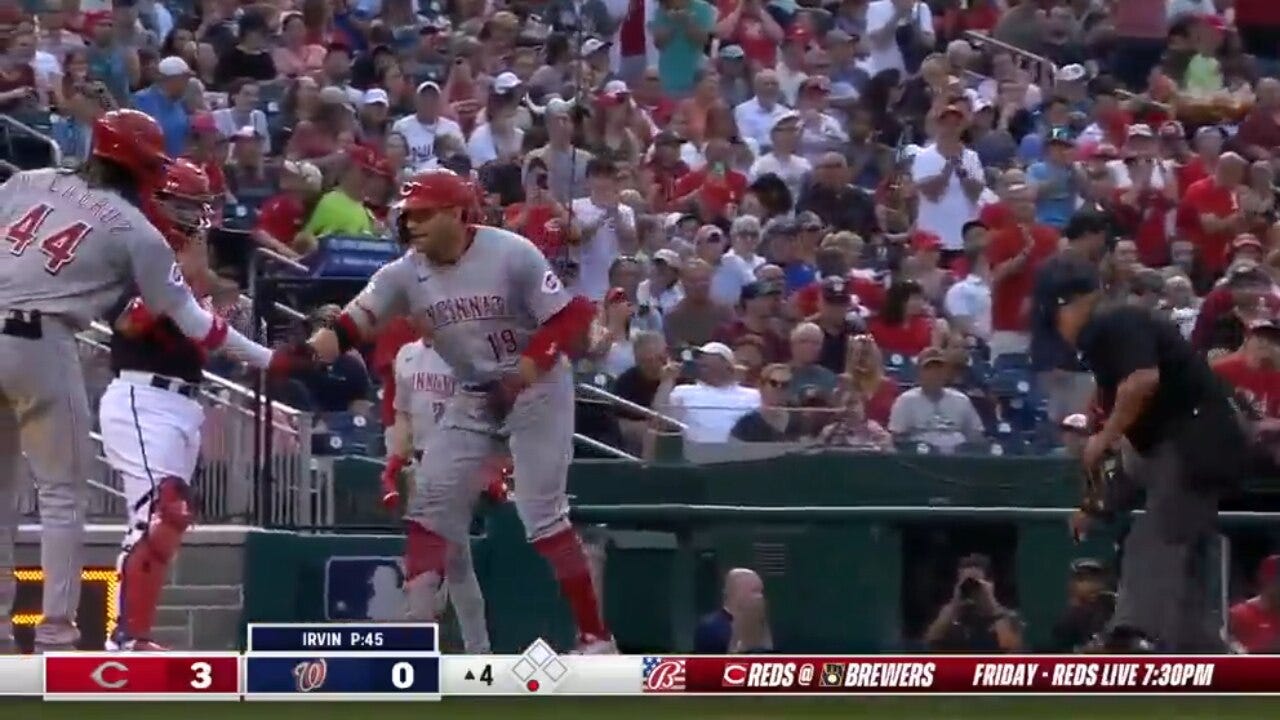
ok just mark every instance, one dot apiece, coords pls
pixel 1121 339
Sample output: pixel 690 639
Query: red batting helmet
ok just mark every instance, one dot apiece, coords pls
pixel 133 140
pixel 183 202
pixel 436 190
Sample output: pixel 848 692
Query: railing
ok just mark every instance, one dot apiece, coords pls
pixel 302 494
pixel 1044 69
pixel 595 393
pixel 25 129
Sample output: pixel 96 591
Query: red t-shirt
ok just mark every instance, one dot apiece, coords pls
pixel 749 33
pixel 397 333
pixel 1260 385
pixel 665 178
pixel 908 339
pixel 282 217
pixel 540 226
pixel 775 347
pixel 1010 295
pixel 995 216
pixel 1189 174
pixel 1207 197
pixel 1147 218
pixel 714 193
pixel 878 406
pixel 661 112
pixel 1255 627
pixel 631 34
pixel 980 18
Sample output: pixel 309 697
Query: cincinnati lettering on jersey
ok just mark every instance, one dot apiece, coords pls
pixel 99 207
pixel 438 383
pixel 468 308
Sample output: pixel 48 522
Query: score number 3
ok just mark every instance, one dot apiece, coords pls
pixel 60 245
pixel 201 676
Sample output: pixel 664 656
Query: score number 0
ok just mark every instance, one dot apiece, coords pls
pixel 402 676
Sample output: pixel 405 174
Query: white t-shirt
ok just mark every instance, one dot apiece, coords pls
pixel 595 255
pixel 792 171
pixel 888 56
pixel 711 412
pixel 755 122
pixel 483 146
pixel 421 139
pixel 953 208
pixel 971 298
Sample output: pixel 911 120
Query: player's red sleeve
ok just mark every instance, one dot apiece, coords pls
pixel 348 330
pixel 565 331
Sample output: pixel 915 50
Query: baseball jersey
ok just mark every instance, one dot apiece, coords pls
pixel 482 309
pixel 424 385
pixel 74 250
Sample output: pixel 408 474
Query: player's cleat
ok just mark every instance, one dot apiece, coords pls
pixel 592 645
pixel 56 636
pixel 119 643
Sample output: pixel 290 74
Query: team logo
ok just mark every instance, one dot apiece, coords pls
pixel 175 275
pixel 551 283
pixel 832 675
pixel 734 676
pixel 663 675
pixel 118 675
pixel 310 675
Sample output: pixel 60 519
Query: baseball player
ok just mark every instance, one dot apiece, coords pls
pixel 76 241
pixel 424 387
pixel 150 415
pixel 502 320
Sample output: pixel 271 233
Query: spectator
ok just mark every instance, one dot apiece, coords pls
pixel 756 117
pixel 774 420
pixel 244 113
pixel 250 57
pixel 973 620
pixel 1016 253
pixel 1244 297
pixel 1254 370
pixel 758 318
pixel 744 240
pixel 714 186
pixel 949 178
pixel 164 102
pixel 865 369
pixel 836 201
pixel 1055 182
pixel 839 321
pixel 933 413
pixel 1254 624
pixel 741 625
pixel 250 180
pixel 280 219
pixel 904 326
pixel 727 278
pixel 854 430
pixel 711 406
pixel 611 345
pixel 748 25
pixel 421 129
pixel 680 29
pixel 294 55
pixel 541 218
pixel 696 316
pixel 782 160
pixel 73 129
pixel 639 384
pixel 1210 214
pixel 661 292
pixel 566 164
pixel 341 211
pixel 897 32
pixel 1181 302
pixel 604 227
pixel 806 372
pixel 1067 385
pixel 968 302
pixel 208 149
pixel 1089 606
pixel 119 68
pixel 499 139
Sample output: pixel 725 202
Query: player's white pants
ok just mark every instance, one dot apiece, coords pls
pixel 148 434
pixel 462 589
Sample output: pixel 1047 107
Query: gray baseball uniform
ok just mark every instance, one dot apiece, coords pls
pixel 73 250
pixel 483 310
pixel 424 388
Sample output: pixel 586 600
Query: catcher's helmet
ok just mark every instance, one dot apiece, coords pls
pixel 132 140
pixel 183 203
pixel 436 190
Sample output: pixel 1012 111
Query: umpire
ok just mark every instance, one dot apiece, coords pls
pixel 1180 440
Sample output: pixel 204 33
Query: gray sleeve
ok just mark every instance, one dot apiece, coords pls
pixel 537 285
pixel 404 383
pixel 156 272
pixel 386 295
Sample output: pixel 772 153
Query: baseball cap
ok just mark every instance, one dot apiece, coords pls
pixel 1142 130
pixel 666 137
pixel 780 226
pixel 1269 327
pixel 173 66
pixel 1074 72
pixel 759 288
pixel 1245 240
pixel 925 241
pixel 558 106
pixel 784 117
pixel 309 173
pixel 593 45
pixel 428 85
pixel 717 348
pixel 1086 566
pixel 334 95
pixel 667 256
pixel 505 83
pixel 809 221
pixel 708 233
pixel 835 289
pixel 1077 422
pixel 375 96
pixel 732 52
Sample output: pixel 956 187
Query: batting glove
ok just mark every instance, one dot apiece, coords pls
pixel 391 483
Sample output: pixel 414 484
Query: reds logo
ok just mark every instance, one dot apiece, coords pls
pixel 310 674
pixel 668 676
pixel 551 283
pixel 734 676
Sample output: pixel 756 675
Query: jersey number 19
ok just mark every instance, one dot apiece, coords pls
pixel 60 245
pixel 503 344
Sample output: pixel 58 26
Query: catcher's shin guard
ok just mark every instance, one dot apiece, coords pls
pixel 144 567
pixel 424 559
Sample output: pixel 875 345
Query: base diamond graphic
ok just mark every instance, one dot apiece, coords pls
pixel 539 653
pixel 524 669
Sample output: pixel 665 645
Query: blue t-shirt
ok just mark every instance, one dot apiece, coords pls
pixel 1057 195
pixel 171 114
pixel 680 58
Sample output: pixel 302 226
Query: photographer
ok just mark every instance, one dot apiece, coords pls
pixel 973 621
pixel 1179 438
pixel 1089 606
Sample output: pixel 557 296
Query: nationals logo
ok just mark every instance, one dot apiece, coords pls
pixel 663 675
pixel 734 676
pixel 310 674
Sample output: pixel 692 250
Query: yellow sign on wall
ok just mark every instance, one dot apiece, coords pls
pixel 108 577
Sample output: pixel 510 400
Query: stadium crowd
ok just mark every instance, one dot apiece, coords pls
pixel 815 222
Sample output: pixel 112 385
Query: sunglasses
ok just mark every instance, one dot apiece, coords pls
pixel 777 382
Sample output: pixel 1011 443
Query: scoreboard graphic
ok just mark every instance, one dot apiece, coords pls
pixel 372 661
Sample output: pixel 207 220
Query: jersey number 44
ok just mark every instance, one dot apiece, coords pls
pixel 58 244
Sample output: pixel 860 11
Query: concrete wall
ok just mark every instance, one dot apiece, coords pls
pixel 202 603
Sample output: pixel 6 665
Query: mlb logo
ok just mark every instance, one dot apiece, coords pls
pixel 663 675
pixel 364 588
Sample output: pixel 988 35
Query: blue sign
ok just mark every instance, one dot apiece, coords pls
pixel 364 588
pixel 351 257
